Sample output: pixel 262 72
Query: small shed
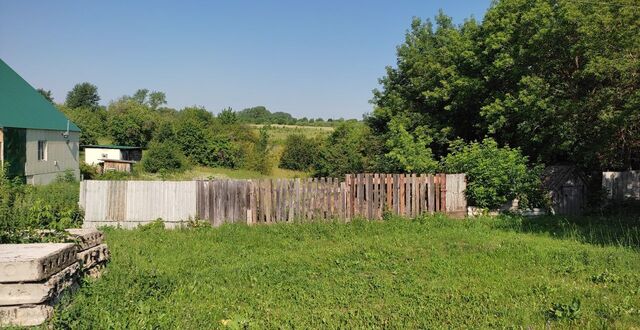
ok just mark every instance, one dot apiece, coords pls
pixel 566 186
pixel 97 154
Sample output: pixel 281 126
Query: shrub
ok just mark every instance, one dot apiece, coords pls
pixel 344 152
pixel 261 160
pixel 87 171
pixel 163 156
pixel 495 174
pixel 24 208
pixel 300 153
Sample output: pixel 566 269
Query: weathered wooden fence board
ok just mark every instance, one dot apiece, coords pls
pixel 371 196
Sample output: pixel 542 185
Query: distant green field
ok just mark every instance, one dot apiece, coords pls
pixel 279 133
pixel 201 172
pixel 432 272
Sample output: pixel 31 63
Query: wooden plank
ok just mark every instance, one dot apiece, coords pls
pixel 414 195
pixel 402 195
pixel 431 194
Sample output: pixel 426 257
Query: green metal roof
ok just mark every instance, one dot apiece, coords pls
pixel 108 146
pixel 21 106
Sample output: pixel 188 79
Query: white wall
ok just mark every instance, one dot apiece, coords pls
pixel 62 154
pixel 92 156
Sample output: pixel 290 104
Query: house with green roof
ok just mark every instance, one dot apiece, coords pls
pixel 37 142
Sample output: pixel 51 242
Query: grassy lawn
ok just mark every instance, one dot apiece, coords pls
pixel 430 272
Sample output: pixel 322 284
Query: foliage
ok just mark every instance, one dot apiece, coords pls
pixel 227 116
pixel 261 159
pixel 300 152
pixel 425 273
pixel 559 311
pixel 495 174
pixel 408 153
pixel 91 121
pixel 153 100
pixel 130 123
pixel 555 79
pixel 83 95
pixel 261 116
pixel 46 94
pixel 165 156
pixel 344 152
pixel 24 208
pixel 88 172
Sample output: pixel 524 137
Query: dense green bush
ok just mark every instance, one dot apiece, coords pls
pixel 165 156
pixel 300 152
pixel 25 208
pixel 261 159
pixel 345 151
pixel 495 174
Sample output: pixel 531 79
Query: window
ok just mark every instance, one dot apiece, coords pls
pixel 42 150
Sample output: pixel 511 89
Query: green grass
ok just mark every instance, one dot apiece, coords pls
pixel 278 133
pixel 201 172
pixel 424 273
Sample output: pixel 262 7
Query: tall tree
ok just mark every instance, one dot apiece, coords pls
pixel 558 79
pixel 156 99
pixel 46 94
pixel 83 95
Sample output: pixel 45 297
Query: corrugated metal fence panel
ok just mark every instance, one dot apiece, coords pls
pixel 622 185
pixel 129 203
pixel 95 200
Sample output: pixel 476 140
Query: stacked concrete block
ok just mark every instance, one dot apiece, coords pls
pixel 93 255
pixel 33 277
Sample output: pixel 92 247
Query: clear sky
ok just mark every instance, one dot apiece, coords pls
pixel 308 58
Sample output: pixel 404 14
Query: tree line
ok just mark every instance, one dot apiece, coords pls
pixel 535 83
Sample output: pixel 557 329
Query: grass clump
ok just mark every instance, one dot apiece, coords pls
pixel 431 272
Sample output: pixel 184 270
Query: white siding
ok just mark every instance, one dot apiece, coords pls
pixel 92 156
pixel 62 155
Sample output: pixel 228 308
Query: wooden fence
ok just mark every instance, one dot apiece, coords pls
pixel 621 186
pixel 272 200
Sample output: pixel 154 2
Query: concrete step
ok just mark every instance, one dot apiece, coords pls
pixel 34 262
pixel 38 292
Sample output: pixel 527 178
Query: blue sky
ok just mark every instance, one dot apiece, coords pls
pixel 308 58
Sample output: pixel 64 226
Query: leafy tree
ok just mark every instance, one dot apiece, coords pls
pixel 552 78
pixel 163 156
pixel 140 96
pixel 344 152
pixel 228 116
pixel 300 153
pixel 408 153
pixel 262 158
pixel 83 95
pixel 495 175
pixel 255 115
pixel 156 99
pixel 92 122
pixel 131 123
pixel 46 94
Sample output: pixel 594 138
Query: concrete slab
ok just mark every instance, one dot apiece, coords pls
pixel 87 237
pixel 93 256
pixel 34 262
pixel 38 292
pixel 96 270
pixel 25 315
